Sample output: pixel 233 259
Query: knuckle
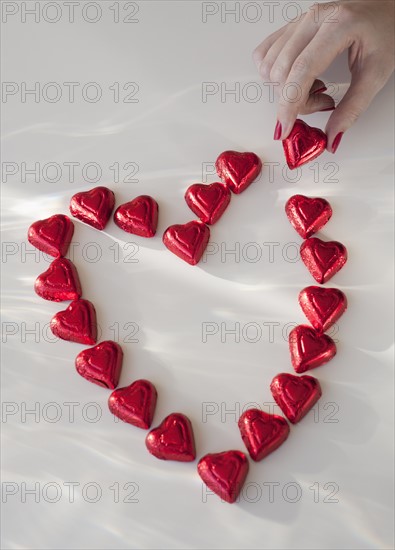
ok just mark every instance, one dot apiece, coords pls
pixel 257 56
pixel 320 13
pixel 345 13
pixel 259 53
pixel 381 75
pixel 354 113
pixel 264 69
pixel 278 73
pixel 311 13
pixel 301 65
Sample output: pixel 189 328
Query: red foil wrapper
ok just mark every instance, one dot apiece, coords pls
pixel 77 323
pixel 322 306
pixel 101 364
pixel 303 144
pixel 208 202
pixel 308 215
pixel 295 395
pixel 309 349
pixel 187 241
pixel 52 235
pixel 262 433
pixel 134 404
pixel 60 282
pixel 173 439
pixel 323 259
pixel 139 216
pixel 224 473
pixel 93 207
pixel 238 170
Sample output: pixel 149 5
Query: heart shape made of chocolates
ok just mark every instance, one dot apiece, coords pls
pixel 173 439
pixel 187 241
pixel 224 473
pixel 93 207
pixel 101 364
pixel 238 170
pixel 309 349
pixel 139 216
pixel 322 306
pixel 52 235
pixel 303 144
pixel 134 404
pixel 208 202
pixel 262 433
pixel 59 282
pixel 77 323
pixel 323 259
pixel 307 215
pixel 295 395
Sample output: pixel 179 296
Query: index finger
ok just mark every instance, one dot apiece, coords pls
pixel 316 57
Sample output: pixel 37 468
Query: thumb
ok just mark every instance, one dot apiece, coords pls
pixel 365 84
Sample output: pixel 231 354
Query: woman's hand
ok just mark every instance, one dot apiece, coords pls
pixel 295 55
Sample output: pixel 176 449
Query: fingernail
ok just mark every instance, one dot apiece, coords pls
pixel 336 142
pixel 320 90
pixel 329 109
pixel 277 131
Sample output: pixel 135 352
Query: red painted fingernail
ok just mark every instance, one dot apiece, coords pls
pixel 277 131
pixel 329 109
pixel 320 90
pixel 336 142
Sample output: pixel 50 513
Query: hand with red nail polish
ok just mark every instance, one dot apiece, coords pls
pixel 294 55
pixel 336 142
pixel 277 131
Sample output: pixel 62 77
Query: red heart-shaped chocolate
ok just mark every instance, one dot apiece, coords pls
pixel 93 207
pixel 238 170
pixel 139 216
pixel 262 433
pixel 224 473
pixel 52 235
pixel 187 241
pixel 295 395
pixel 307 215
pixel 208 202
pixel 172 439
pixel 323 259
pixel 303 144
pixel 322 306
pixel 60 282
pixel 77 323
pixel 309 349
pixel 134 404
pixel 101 364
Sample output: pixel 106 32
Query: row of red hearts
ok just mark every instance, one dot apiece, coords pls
pixel 225 472
pixel 140 215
